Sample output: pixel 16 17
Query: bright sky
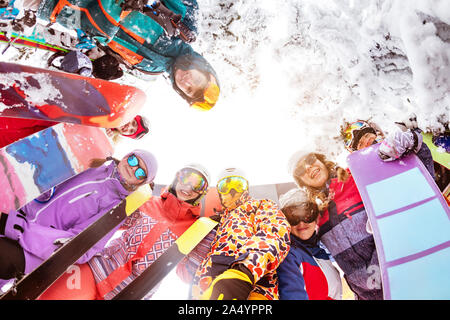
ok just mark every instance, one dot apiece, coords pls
pixel 254 134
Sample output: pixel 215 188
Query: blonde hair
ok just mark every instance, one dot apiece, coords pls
pixel 318 195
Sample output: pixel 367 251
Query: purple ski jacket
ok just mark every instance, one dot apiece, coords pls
pixel 75 204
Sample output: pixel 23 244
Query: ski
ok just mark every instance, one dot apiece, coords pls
pixel 149 278
pixel 35 283
pixel 30 42
pixel 10 43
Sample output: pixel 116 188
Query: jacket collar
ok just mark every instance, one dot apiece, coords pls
pixel 171 204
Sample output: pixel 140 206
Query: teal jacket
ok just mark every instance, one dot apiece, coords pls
pixel 136 37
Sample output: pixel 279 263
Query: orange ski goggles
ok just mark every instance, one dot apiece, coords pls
pixel 210 97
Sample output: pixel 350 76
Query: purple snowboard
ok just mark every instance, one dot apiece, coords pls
pixel 410 221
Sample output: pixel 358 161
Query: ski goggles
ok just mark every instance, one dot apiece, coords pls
pixel 308 214
pixel 194 179
pixel 141 130
pixel 237 183
pixel 210 97
pixel 349 133
pixel 139 173
pixel 310 159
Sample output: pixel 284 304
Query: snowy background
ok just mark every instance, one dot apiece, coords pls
pixel 291 72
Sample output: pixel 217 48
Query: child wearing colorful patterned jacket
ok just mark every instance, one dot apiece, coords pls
pixel 251 241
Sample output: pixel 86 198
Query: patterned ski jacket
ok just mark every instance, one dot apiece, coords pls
pixel 136 37
pixel 343 229
pixel 307 273
pixel 150 231
pixel 75 204
pixel 255 234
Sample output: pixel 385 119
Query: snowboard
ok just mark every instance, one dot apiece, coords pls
pixel 35 283
pixel 410 221
pixel 151 276
pixel 35 93
pixel 35 164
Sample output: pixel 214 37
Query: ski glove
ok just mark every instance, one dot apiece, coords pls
pixel 410 122
pixel 230 285
pixel 398 144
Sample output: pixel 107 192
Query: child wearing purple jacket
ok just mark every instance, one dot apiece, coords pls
pixel 31 234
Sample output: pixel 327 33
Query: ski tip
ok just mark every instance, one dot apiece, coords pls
pixel 138 198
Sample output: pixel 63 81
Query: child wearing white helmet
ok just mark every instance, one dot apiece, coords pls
pixel 252 239
pixel 307 273
pixel 343 224
pixel 151 230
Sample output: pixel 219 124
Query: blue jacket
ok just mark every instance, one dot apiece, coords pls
pixel 307 273
pixel 136 37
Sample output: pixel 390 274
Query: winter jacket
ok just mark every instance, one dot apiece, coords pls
pixel 13 129
pixel 255 234
pixel 150 231
pixel 75 204
pixel 137 38
pixel 343 230
pixel 307 273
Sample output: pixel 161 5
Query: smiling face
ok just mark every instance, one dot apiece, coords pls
pixel 303 230
pixel 184 187
pixel 192 82
pixel 366 140
pixel 128 128
pixel 127 172
pixel 311 171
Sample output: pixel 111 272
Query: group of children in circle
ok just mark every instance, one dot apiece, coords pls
pixel 260 250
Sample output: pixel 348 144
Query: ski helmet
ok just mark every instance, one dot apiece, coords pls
pixel 198 168
pixel 354 132
pixel 232 178
pixel 293 197
pixel 231 172
pixel 298 198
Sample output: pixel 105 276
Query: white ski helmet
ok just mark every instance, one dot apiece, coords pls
pixel 293 197
pixel 200 169
pixel 231 172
